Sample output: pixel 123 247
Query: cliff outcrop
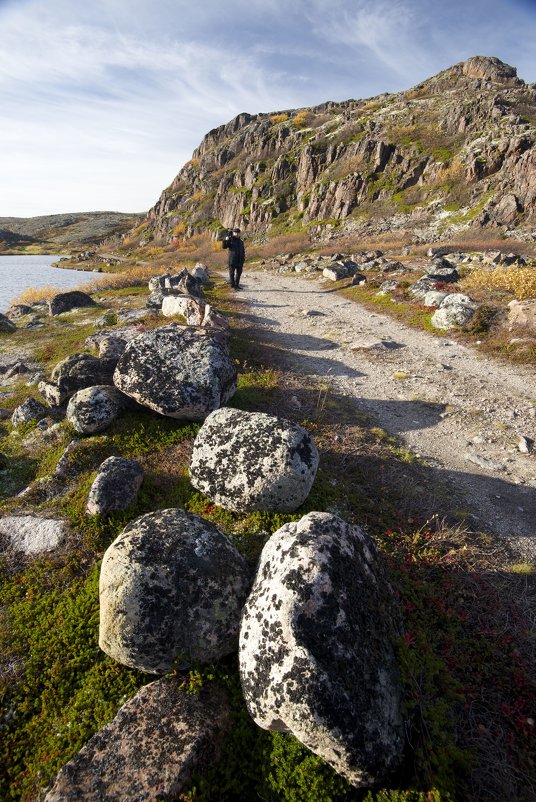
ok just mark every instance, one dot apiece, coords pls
pixel 457 150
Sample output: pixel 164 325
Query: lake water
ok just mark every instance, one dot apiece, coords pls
pixel 19 272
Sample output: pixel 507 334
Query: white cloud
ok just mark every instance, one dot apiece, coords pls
pixel 102 101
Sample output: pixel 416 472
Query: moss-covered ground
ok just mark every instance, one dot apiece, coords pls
pixel 465 656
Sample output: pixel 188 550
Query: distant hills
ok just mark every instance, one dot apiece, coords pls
pixel 82 228
pixel 457 151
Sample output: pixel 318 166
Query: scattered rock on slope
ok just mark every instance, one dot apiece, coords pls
pixel 75 373
pixel 247 461
pixel 65 301
pixel 316 647
pixel 31 534
pixel 151 748
pixel 171 589
pixel 29 410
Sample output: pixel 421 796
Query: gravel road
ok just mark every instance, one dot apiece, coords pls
pixel 465 415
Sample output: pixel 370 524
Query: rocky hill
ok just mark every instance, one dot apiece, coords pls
pixel 457 150
pixel 65 229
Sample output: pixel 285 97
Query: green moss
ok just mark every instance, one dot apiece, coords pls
pixel 63 688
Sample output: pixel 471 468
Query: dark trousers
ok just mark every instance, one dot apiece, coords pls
pixel 234 276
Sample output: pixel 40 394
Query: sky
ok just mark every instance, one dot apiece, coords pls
pixel 102 101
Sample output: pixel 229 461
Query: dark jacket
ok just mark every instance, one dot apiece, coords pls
pixel 237 252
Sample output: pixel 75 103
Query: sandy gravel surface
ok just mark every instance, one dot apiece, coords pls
pixel 462 413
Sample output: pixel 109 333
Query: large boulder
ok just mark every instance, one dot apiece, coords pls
pixel 151 749
pixel 115 487
pixel 75 373
pixel 317 654
pixel 93 409
pixel 66 301
pixel 178 371
pixel 30 534
pixel 171 590
pixel 29 410
pixel 247 461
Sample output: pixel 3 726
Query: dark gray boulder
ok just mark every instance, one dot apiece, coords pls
pixel 93 409
pixel 115 487
pixel 442 270
pixel 171 590
pixel 317 655
pixel 66 301
pixel 74 373
pixel 6 325
pixel 247 461
pixel 29 410
pixel 178 371
pixel 151 749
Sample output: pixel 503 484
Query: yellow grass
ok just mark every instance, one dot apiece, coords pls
pixel 278 118
pixel 520 281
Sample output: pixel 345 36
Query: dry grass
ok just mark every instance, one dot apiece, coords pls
pixel 278 118
pixel 520 281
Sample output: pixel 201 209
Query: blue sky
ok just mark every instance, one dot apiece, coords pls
pixel 102 101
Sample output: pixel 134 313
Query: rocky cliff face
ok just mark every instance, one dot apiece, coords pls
pixel 454 151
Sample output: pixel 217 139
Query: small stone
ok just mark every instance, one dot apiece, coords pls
pixel 93 409
pixel 115 487
pixel 484 462
pixel 6 325
pixel 30 410
pixel 525 444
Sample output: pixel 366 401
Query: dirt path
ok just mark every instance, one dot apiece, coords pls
pixel 462 413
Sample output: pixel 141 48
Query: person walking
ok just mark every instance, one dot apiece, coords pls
pixel 237 256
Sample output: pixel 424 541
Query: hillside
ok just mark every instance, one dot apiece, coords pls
pixel 64 229
pixel 453 152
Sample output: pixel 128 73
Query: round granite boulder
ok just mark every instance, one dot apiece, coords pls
pixel 93 409
pixel 317 654
pixel 246 461
pixel 178 371
pixel 171 590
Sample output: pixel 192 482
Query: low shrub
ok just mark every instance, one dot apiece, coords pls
pixel 520 281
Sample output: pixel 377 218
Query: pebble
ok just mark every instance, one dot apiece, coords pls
pixel 525 444
pixel 483 462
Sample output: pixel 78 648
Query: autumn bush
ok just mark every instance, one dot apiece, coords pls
pixel 278 118
pixel 520 281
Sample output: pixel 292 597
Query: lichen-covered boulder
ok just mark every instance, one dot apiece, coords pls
pixel 75 373
pixel 115 487
pixel 93 409
pixel 171 590
pixel 151 749
pixel 178 371
pixel 247 461
pixel 317 655
pixel 455 310
pixel 65 301
pixel 28 411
